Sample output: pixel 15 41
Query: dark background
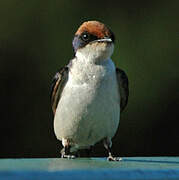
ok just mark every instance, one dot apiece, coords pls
pixel 35 41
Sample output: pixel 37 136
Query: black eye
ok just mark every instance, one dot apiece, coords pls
pixel 85 36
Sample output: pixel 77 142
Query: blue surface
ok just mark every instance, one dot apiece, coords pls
pixel 90 168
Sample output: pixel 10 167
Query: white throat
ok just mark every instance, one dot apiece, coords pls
pixel 95 52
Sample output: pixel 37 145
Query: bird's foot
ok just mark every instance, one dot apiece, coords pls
pixel 65 153
pixel 68 156
pixel 111 158
pixel 107 144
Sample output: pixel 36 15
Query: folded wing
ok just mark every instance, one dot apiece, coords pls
pixel 123 87
pixel 57 86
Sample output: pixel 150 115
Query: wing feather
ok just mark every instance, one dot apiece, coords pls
pixel 58 83
pixel 123 87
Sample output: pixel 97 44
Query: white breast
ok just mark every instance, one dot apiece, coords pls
pixel 89 108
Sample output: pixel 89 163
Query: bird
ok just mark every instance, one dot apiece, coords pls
pixel 89 94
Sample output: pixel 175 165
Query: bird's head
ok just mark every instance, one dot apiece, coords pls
pixel 93 40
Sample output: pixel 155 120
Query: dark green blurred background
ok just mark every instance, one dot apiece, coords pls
pixel 35 41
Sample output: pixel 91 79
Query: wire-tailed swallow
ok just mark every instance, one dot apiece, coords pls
pixel 89 94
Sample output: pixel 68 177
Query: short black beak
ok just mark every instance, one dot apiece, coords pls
pixel 108 40
pixel 105 40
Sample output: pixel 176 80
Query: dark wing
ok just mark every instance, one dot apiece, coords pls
pixel 123 87
pixel 58 83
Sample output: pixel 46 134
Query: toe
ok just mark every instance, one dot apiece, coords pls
pixel 111 158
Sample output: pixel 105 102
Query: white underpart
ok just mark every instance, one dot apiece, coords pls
pixel 89 108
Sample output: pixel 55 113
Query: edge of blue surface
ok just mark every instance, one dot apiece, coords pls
pixel 104 174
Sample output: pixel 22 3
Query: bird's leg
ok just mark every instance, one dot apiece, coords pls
pixel 65 152
pixel 108 144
